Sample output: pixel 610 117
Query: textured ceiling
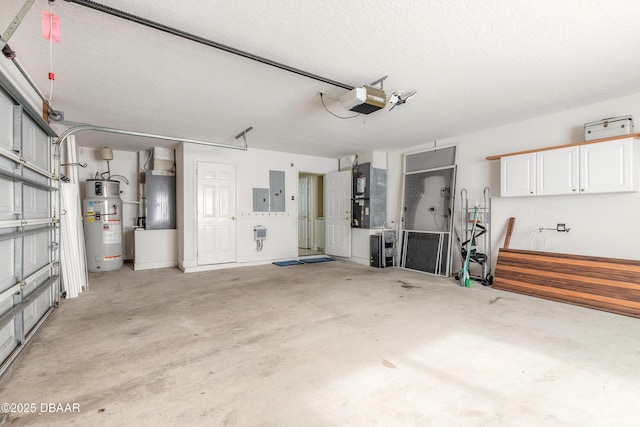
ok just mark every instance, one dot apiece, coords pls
pixel 475 65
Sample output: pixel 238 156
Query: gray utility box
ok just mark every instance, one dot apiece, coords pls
pixel 369 204
pixel 606 128
pixel 160 199
pixel 276 187
pixel 383 249
pixel 261 200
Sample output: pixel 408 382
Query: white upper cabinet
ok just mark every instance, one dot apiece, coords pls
pixel 602 167
pixel 608 167
pixel 517 175
pixel 557 171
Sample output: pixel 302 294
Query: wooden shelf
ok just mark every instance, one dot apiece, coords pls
pixel 555 147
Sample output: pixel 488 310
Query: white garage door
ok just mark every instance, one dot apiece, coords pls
pixel 29 233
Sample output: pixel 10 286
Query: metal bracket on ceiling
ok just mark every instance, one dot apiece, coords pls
pixel 13 26
pixel 380 81
pixel 243 134
pixel 48 113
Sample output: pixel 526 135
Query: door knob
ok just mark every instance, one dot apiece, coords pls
pixel 233 218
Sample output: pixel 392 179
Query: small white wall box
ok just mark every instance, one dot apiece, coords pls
pixel 163 159
pixel 605 128
pixel 259 232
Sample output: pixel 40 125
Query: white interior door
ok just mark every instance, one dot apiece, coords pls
pixel 337 213
pixel 216 213
pixel 303 212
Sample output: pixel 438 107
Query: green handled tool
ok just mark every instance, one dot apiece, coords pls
pixel 465 279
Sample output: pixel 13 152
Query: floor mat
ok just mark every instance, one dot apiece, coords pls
pixel 287 263
pixel 314 260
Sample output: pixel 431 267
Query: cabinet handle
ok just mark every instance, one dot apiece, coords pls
pixel 531 192
pixel 582 189
pixel 573 189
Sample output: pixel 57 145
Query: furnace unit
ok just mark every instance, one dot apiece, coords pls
pixel 369 204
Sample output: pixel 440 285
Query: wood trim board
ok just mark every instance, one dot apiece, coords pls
pixel 507 237
pixel 608 284
pixel 555 147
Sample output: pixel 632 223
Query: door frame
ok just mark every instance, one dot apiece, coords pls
pixel 308 193
pixel 347 207
pixel 197 240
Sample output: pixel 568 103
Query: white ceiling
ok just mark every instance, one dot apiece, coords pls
pixel 475 65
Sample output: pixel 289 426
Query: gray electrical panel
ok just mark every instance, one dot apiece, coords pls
pixel 261 200
pixel 160 193
pixel 276 189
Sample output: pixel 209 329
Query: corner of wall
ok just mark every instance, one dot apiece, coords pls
pixel 180 170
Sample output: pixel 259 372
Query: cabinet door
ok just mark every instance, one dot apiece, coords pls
pixel 517 175
pixel 606 167
pixel 557 171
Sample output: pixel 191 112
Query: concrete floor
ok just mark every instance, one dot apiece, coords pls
pixel 328 344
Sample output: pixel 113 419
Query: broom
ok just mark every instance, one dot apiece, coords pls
pixel 465 279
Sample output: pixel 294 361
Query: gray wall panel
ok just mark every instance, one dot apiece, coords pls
pixel 261 200
pixel 276 191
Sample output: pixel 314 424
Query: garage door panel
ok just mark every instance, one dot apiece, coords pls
pixel 7 165
pixel 6 121
pixel 32 282
pixel 35 176
pixel 7 340
pixel 6 302
pixel 29 280
pixel 7 265
pixel 7 203
pixel 35 203
pixel 35 144
pixel 36 310
pixel 36 252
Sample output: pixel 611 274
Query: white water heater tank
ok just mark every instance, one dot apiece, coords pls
pixel 102 213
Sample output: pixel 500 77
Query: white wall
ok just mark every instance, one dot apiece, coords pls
pixel 601 225
pixel 252 170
